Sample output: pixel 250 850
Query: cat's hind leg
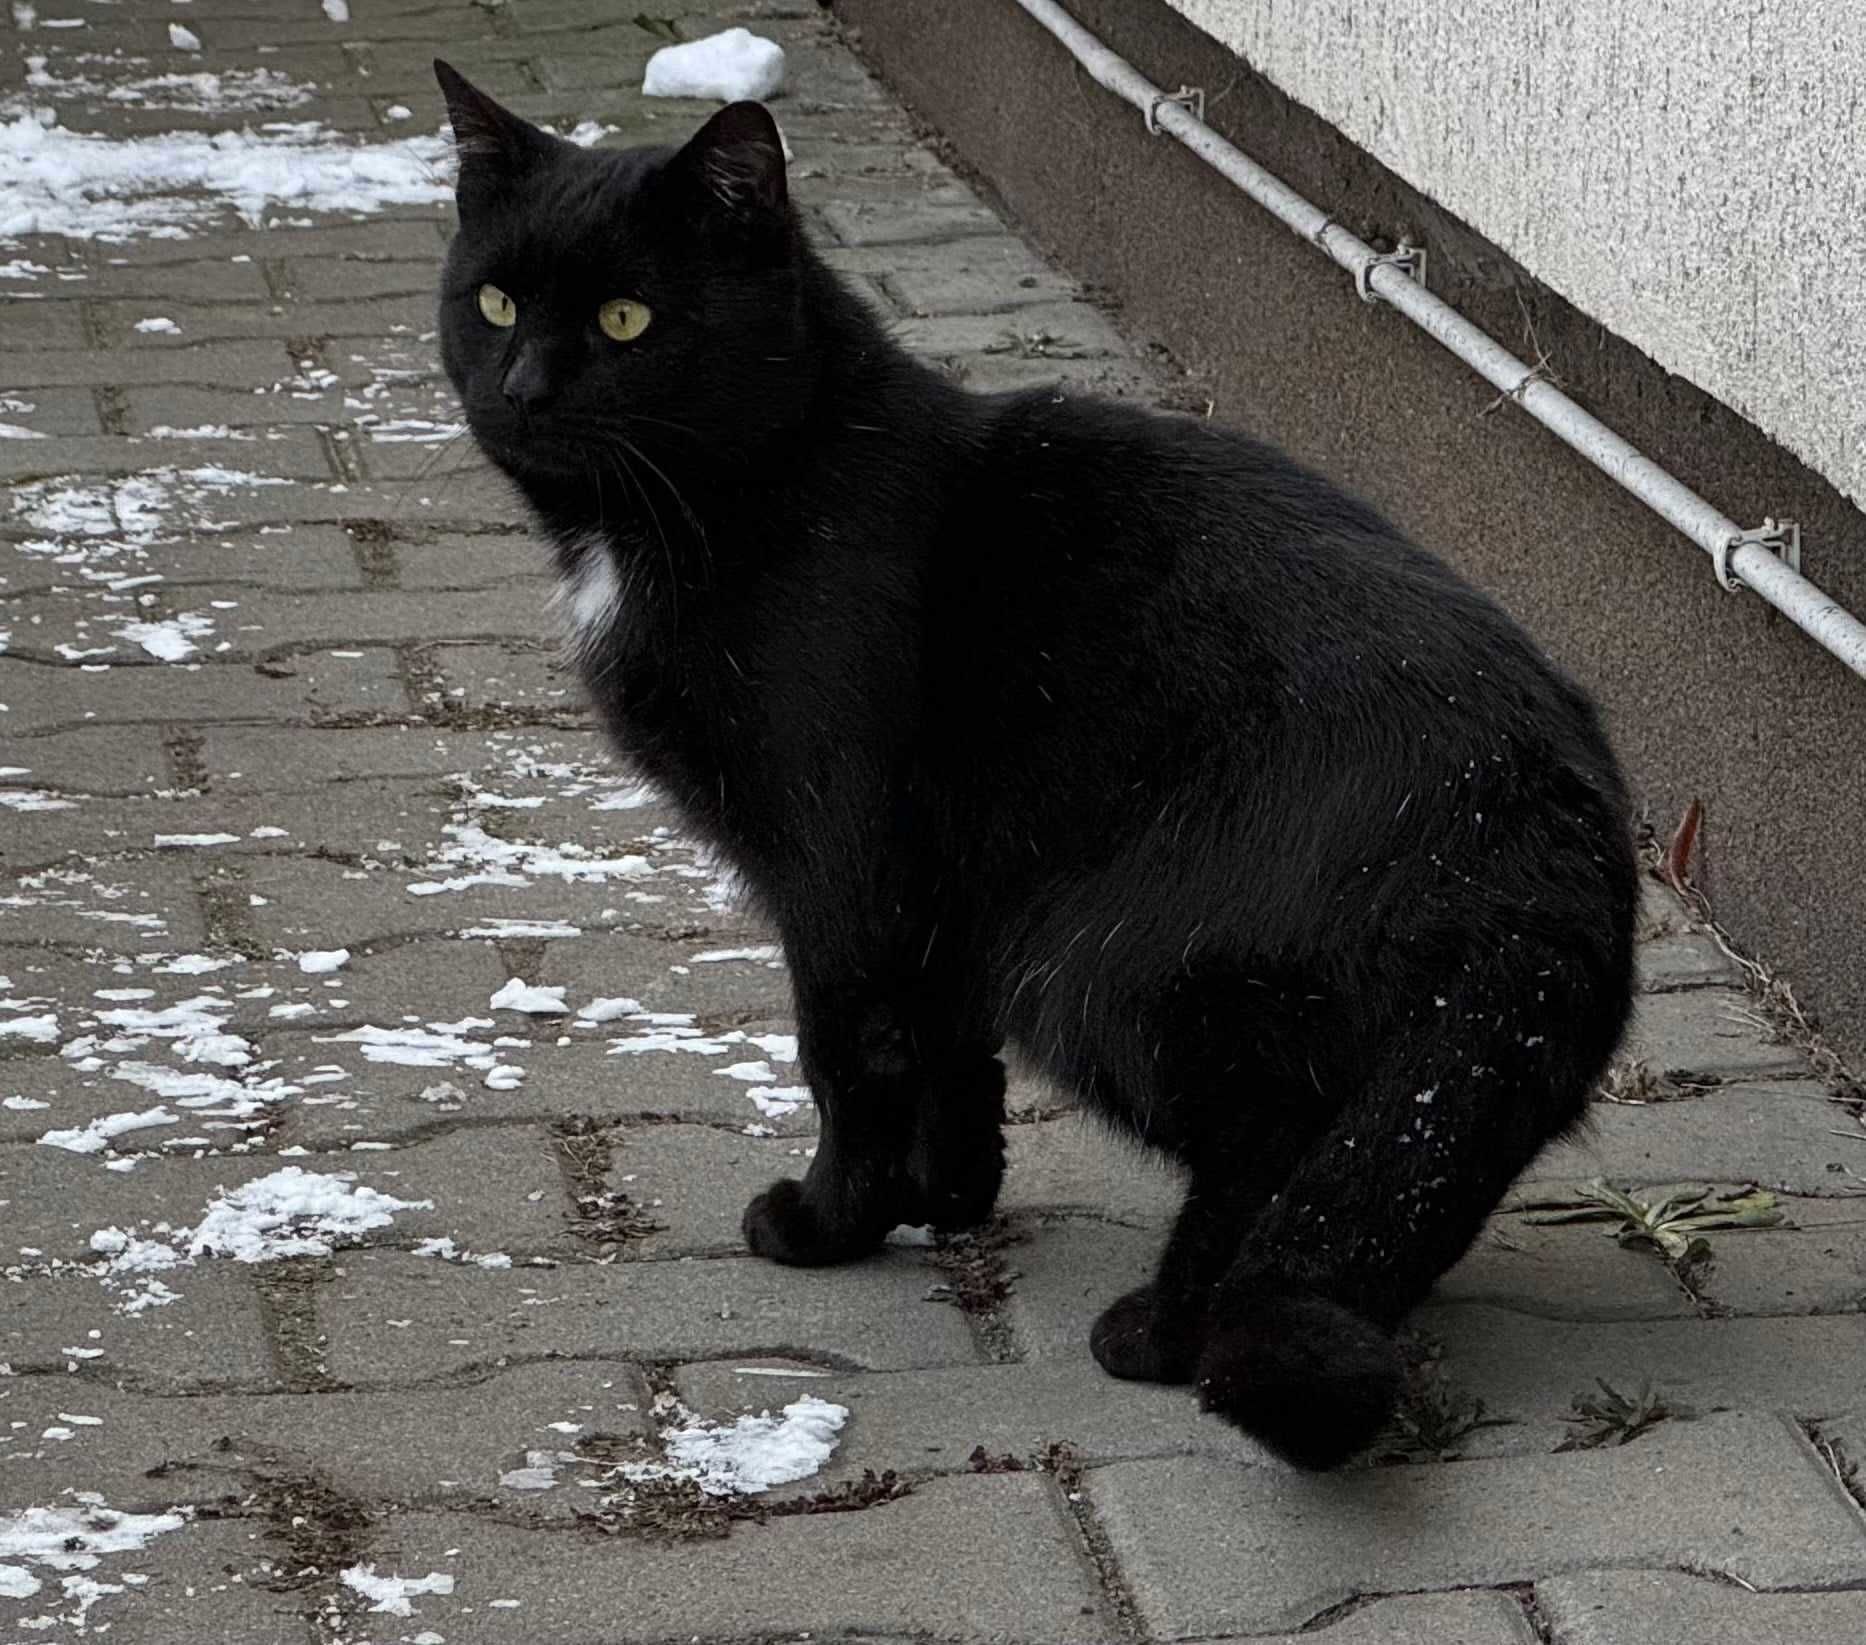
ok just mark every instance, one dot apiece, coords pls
pixel 1240 1156
pixel 1300 1352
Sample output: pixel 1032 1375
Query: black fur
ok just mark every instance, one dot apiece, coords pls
pixel 1040 720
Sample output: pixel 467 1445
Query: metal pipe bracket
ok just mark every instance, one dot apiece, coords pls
pixel 1190 98
pixel 1408 259
pixel 1781 538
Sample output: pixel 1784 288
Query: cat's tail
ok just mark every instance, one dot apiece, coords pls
pixel 1300 1352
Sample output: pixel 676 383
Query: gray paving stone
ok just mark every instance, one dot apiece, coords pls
pixel 1816 1265
pixel 423 234
pixel 205 279
pixel 1669 1608
pixel 696 1181
pixel 931 1421
pixel 491 1191
pixel 323 904
pixel 344 279
pixel 150 1452
pixel 218 365
pixel 296 455
pixel 183 405
pixel 513 672
pixel 200 829
pixel 1708 1031
pixel 52 411
pixel 281 762
pixel 214 1336
pixel 1209 1549
pixel 227 322
pixel 1573 1272
pixel 1776 1134
pixel 1072 330
pixel 202 1581
pixel 1527 1371
pixel 477 562
pixel 113 760
pixel 304 686
pixel 1685 960
pixel 123 907
pixel 837 1574
pixel 1421 1619
pixel 1117 379
pixel 999 281
pixel 874 1314
pixel 1076 1164
pixel 1066 1272
pixel 26 324
pixel 267 621
pixel 872 223
pixel 612 963
pixel 386 1103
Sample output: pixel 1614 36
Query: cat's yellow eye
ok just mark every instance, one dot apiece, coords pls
pixel 623 319
pixel 498 308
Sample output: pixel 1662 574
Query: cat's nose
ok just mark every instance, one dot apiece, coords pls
pixel 528 384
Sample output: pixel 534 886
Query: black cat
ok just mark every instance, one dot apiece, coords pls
pixel 1032 718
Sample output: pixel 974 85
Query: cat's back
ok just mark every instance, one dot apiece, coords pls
pixel 1194 535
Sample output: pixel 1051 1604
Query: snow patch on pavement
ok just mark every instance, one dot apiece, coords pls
pixel 293 1213
pixel 728 66
pixel 86 186
pixel 392 1595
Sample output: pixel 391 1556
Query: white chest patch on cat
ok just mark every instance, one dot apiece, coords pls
pixel 589 595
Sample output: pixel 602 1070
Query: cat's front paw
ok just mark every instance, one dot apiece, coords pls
pixel 782 1224
pixel 1130 1341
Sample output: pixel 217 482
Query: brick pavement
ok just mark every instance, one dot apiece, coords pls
pixel 368 746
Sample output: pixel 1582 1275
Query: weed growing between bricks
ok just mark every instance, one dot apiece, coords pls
pixel 1610 1417
pixel 1434 1415
pixel 603 1216
pixel 1672 1225
pixel 978 1280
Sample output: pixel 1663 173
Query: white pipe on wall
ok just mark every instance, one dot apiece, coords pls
pixel 1735 559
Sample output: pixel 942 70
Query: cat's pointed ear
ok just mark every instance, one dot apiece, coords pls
pixel 495 146
pixel 735 164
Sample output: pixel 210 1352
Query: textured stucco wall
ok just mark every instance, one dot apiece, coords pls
pixel 1692 173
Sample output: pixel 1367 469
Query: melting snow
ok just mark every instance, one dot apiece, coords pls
pixel 58 181
pixel 390 1594
pixel 750 1455
pixel 93 1138
pixel 72 1540
pixel 293 1213
pixel 521 996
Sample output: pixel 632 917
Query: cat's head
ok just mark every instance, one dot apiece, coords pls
pixel 595 301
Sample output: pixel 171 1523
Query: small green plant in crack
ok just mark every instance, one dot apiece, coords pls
pixel 1613 1418
pixel 1674 1224
pixel 1434 1415
pixel 662 28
